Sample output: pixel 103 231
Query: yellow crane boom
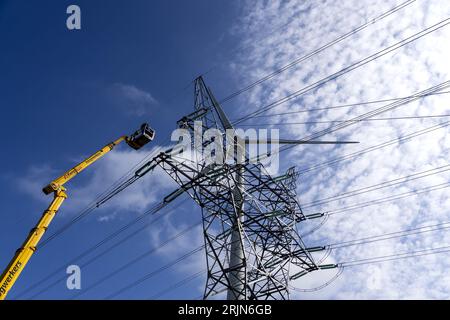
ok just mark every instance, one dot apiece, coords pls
pixel 137 140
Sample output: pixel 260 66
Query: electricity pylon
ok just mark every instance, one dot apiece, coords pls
pixel 252 245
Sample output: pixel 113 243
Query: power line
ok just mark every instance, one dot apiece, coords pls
pixel 369 114
pixel 398 140
pixel 135 260
pixel 366 115
pixel 340 121
pixel 428 189
pixel 88 210
pixel 378 186
pixel 135 282
pixel 353 263
pixel 391 235
pixel 345 105
pixel 178 284
pixel 347 69
pixel 105 240
pixel 365 240
pixel 357 241
pixel 80 256
pixel 381 237
pixel 95 203
pixel 326 284
pixel 396 256
pixel 214 66
pixel 266 34
pixel 317 51
pixel 154 273
pixel 157 208
pixel 391 198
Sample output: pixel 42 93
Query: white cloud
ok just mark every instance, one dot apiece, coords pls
pixel 410 69
pixel 188 241
pixel 90 183
pixel 132 100
pixel 407 70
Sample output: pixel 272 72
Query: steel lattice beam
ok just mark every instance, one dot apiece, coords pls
pixel 249 217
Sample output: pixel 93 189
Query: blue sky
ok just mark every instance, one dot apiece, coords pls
pixel 66 93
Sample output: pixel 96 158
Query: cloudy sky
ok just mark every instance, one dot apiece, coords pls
pixel 133 63
pixel 305 26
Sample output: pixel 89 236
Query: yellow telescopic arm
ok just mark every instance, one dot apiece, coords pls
pixel 24 253
pixel 55 184
pixel 136 141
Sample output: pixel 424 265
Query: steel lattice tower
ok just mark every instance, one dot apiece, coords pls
pixel 249 217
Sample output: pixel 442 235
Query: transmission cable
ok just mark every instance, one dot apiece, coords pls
pixel 317 51
pixel 158 209
pixel 95 204
pixel 80 256
pixel 345 105
pixel 365 240
pixel 398 140
pixel 374 112
pixel 326 284
pixel 392 235
pixel 396 256
pixel 340 121
pixel 137 259
pixel 384 184
pixel 366 115
pixel 390 198
pixel 347 69
pixel 371 239
pixel 105 240
pixel 340 266
pixel 153 273
pixel 178 285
